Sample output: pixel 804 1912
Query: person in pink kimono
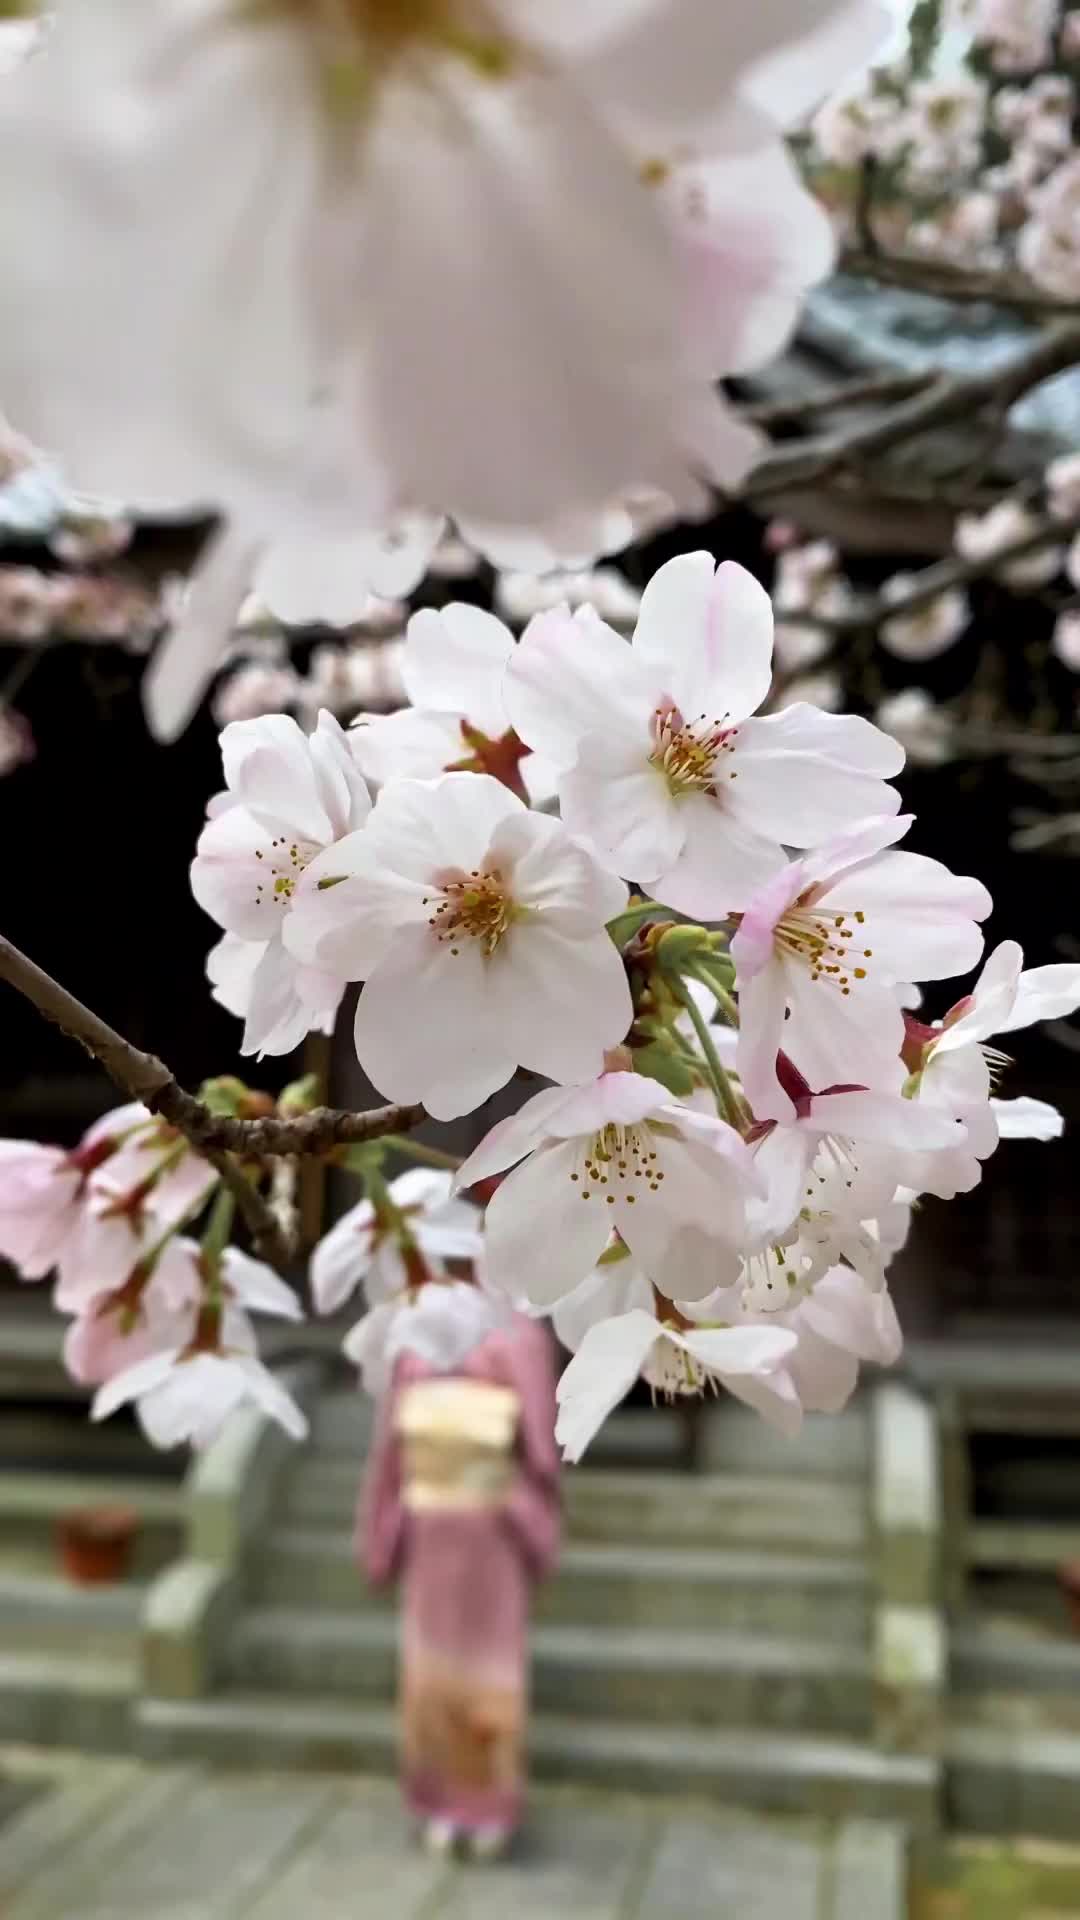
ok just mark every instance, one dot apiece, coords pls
pixel 461 1503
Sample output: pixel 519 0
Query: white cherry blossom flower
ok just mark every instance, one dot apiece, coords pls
pixel 931 628
pixel 1062 479
pixel 1065 643
pixel 520 596
pixel 616 1154
pixel 677 1359
pixel 923 728
pixel 206 1365
pixel 479 929
pixel 397 1248
pixel 836 1321
pixel 289 796
pixel 980 536
pixel 452 666
pixel 659 766
pixel 824 944
pixel 1027 1119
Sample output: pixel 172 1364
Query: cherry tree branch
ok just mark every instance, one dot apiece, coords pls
pixel 875 388
pixel 945 281
pixel 932 581
pixel 949 397
pixel 142 1076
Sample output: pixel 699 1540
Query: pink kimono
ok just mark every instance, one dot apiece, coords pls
pixel 467 1562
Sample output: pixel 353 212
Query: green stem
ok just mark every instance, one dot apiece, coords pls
pixel 724 1000
pixel 418 1150
pixel 727 1102
pixel 219 1226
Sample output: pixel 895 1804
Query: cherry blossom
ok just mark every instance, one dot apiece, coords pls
pixel 823 944
pixel 1062 478
pixel 618 1153
pixel 329 347
pixel 659 767
pixel 452 667
pixel 922 727
pixel 836 1321
pixel 1066 640
pixel 16 741
pixel 1049 245
pixel 981 536
pixel 676 1358
pixel 288 797
pixel 478 928
pixel 931 629
pixel 203 1363
pixel 1016 33
pixel 398 1245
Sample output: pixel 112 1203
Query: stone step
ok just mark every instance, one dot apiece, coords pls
pixel 814 1516
pixel 743 1767
pixel 647 1586
pixel 985 1657
pixel 62 1439
pixel 713 1678
pixel 53 1699
pixel 1019 1778
pixel 29 1497
pixel 43 1611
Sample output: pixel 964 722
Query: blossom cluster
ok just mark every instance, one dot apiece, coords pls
pixel 971 140
pixel 155 1318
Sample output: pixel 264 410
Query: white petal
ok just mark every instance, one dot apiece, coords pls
pixel 571 676
pixel 707 633
pixel 427 1029
pixel 268 766
pixel 884 1120
pixel 601 1373
pixel 1028 1119
pixel 544 1230
pixel 454 661
pixel 625 811
pixel 762 1005
pixel 727 1350
pixel 922 916
pixel 406 745
pixel 511 1139
pixel 188 658
pixel 561 1002
pixel 793 782
pixel 723 864
pixel 553 877
pixel 1044 993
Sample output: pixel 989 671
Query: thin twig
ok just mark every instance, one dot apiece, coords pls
pixel 945 281
pixel 267 1237
pixel 142 1076
pixel 950 397
pixel 940 578
pixel 850 393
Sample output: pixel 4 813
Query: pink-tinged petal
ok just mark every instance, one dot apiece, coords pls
pixel 920 918
pixel 844 1311
pixel 268 767
pixel 790 790
pixel 133 1382
pixel 188 657
pixel 230 969
pixel 570 676
pixel 990 1003
pixel 229 877
pixel 565 1000
pixel 822 867
pixel 422 826
pixel 835 1041
pixel 773 1395
pixel 824 1376
pixel 687 1262
pixel 1028 1119
pixel 455 660
pixel 511 1139
pixel 544 1230
pixel 724 863
pixel 752 942
pixel 883 1119
pixel 622 807
pixel 280 1013
pixel 554 878
pixel 620 1098
pixel 826 43
pixel 601 1374
pixel 706 633
pixel 428 1029
pixel 1044 993
pixel 348 906
pixel 762 1006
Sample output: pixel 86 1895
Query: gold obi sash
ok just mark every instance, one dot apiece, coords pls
pixel 457 1439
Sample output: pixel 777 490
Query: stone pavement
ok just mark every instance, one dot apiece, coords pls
pixel 113 1840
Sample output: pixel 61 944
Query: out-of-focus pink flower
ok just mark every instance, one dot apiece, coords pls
pixel 931 628
pixel 29 600
pixel 1049 245
pixel 254 689
pixel 1066 640
pixel 16 741
pixel 1017 34
pixel 980 536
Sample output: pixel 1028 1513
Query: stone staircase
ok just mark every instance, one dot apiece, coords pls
pixel 709 1632
pixel 69 1654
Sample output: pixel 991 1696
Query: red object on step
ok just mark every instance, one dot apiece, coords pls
pixel 95 1544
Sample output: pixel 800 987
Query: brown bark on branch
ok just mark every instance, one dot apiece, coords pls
pixel 950 397
pixel 142 1076
pixel 916 274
